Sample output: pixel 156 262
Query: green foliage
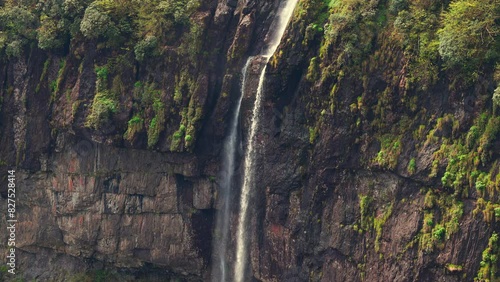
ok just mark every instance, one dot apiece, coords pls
pixel 490 134
pixel 74 8
pixel 150 101
pixel 417 28
pixel 110 22
pixel 395 6
pixel 4 269
pixel 43 75
pixel 456 170
pixel 365 202
pixel 472 136
pixel 185 86
pixel 378 224
pixel 187 96
pixel 145 47
pixel 390 149
pixel 104 104
pixel 193 42
pixel 489 210
pixel 135 120
pixel 193 118
pixel 381 16
pixel 160 18
pixel 313 71
pixel 158 121
pixel 369 221
pixel 439 232
pixel 141 25
pixel 452 216
pixel 102 78
pixel 153 132
pixel 489 264
pixel 17 28
pixel 428 221
pixel 412 165
pixel 15 48
pixel 102 73
pixel 315 13
pixel 313 134
pixel 103 107
pixel 48 35
pixel 357 17
pixel 466 156
pixel 53 86
pixel 429 200
pixel 178 134
pixel 176 140
pixel 496 97
pixel 454 267
pixel 95 22
pixel 59 20
pixel 469 32
pixel 480 186
pixel 135 125
pixel 441 220
pixel 155 128
pixel 56 84
pixel 138 84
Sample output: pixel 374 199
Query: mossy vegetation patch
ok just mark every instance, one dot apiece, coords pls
pixel 489 263
pixel 442 214
pixel 390 149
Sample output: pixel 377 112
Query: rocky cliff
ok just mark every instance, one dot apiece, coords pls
pixel 377 157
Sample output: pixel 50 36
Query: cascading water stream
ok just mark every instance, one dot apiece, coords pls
pixel 283 17
pixel 219 268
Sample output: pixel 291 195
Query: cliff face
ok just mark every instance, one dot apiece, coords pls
pixel 366 172
pixel 94 193
pixel 367 169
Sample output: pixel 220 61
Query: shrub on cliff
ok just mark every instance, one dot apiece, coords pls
pixel 103 107
pixel 161 18
pixel 351 22
pixel 489 263
pixel 470 32
pixel 145 47
pixel 49 35
pixel 135 124
pixel 113 23
pixel 17 28
pixel 104 104
pixel 59 20
pixel 95 22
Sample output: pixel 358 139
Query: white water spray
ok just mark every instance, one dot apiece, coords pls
pixel 283 17
pixel 219 267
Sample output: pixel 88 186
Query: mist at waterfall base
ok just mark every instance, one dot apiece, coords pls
pixel 220 265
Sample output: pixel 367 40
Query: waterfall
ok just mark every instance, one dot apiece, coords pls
pixel 283 17
pixel 219 267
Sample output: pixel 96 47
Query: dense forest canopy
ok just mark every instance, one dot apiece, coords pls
pixel 461 33
pixel 52 24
